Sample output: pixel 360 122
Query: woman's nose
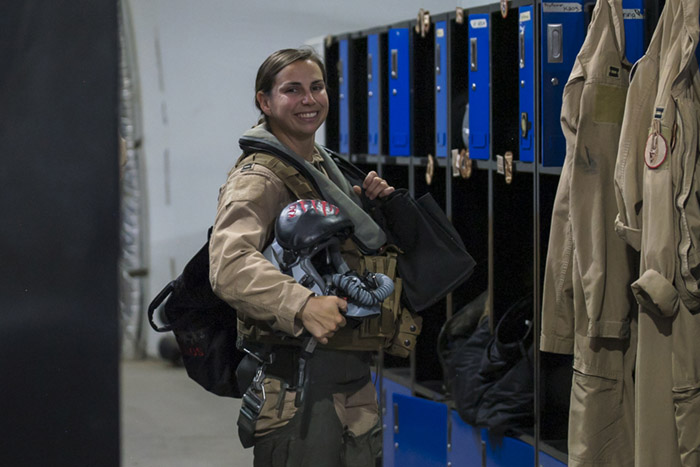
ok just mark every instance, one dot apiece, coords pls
pixel 308 98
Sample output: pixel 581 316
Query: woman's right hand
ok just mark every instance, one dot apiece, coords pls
pixel 322 317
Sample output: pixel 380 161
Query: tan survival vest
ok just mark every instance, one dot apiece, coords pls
pixel 395 330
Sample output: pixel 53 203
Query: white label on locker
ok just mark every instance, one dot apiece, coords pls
pixel 479 23
pixel 632 13
pixel 440 32
pixel 525 16
pixel 561 7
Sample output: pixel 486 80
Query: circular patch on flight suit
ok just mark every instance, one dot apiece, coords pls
pixel 655 151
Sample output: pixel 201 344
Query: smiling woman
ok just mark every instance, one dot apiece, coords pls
pixel 326 409
pixel 294 103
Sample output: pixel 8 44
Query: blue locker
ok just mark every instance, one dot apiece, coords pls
pixel 507 452
pixel 441 101
pixel 465 443
pixel 562 33
pixel 420 433
pixel 399 93
pixel 344 97
pixel 479 87
pixel 389 388
pixel 526 74
pixel 633 19
pixel 373 94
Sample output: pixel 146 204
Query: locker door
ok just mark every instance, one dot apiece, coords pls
pixel 633 19
pixel 420 432
pixel 399 93
pixel 526 67
pixel 562 35
pixel 479 87
pixel 441 98
pixel 344 97
pixel 373 96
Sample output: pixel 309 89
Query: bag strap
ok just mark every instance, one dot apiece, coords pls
pixel 160 298
pixel 290 176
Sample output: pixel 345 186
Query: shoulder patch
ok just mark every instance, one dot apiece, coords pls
pixel 247 167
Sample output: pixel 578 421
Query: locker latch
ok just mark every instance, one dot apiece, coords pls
pixel 430 169
pixel 509 166
pixel 459 15
pixel 461 163
pixel 423 23
pixel 525 125
pixel 504 8
pixel 504 166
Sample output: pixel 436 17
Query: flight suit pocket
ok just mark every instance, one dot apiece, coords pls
pixel 278 408
pixel 609 103
pixel 594 419
pixel 686 403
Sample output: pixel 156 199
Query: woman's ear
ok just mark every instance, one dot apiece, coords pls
pixel 263 102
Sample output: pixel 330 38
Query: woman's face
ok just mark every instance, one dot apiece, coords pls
pixel 297 104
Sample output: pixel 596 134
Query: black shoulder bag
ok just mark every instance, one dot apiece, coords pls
pixel 433 260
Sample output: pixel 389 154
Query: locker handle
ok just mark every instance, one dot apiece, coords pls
pixel 394 63
pixel 522 48
pixel 473 49
pixel 340 71
pixel 369 67
pixel 554 43
pixel 438 58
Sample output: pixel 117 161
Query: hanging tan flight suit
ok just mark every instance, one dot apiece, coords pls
pixel 587 305
pixel 657 188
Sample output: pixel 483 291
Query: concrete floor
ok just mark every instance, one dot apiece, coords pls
pixel 170 421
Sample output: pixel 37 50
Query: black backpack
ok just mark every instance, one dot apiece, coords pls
pixel 204 327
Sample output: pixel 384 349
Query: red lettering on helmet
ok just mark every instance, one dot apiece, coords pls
pixel 324 204
pixel 313 203
pixel 292 211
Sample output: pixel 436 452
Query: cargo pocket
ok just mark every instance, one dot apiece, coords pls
pixel 686 402
pixel 278 408
pixel 364 450
pixel 595 420
pixel 383 326
pixel 407 332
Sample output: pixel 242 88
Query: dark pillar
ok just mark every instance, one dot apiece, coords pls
pixel 59 241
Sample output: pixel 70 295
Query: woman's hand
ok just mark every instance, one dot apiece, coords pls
pixel 321 316
pixel 374 186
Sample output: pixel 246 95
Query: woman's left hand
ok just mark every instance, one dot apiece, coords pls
pixel 374 186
